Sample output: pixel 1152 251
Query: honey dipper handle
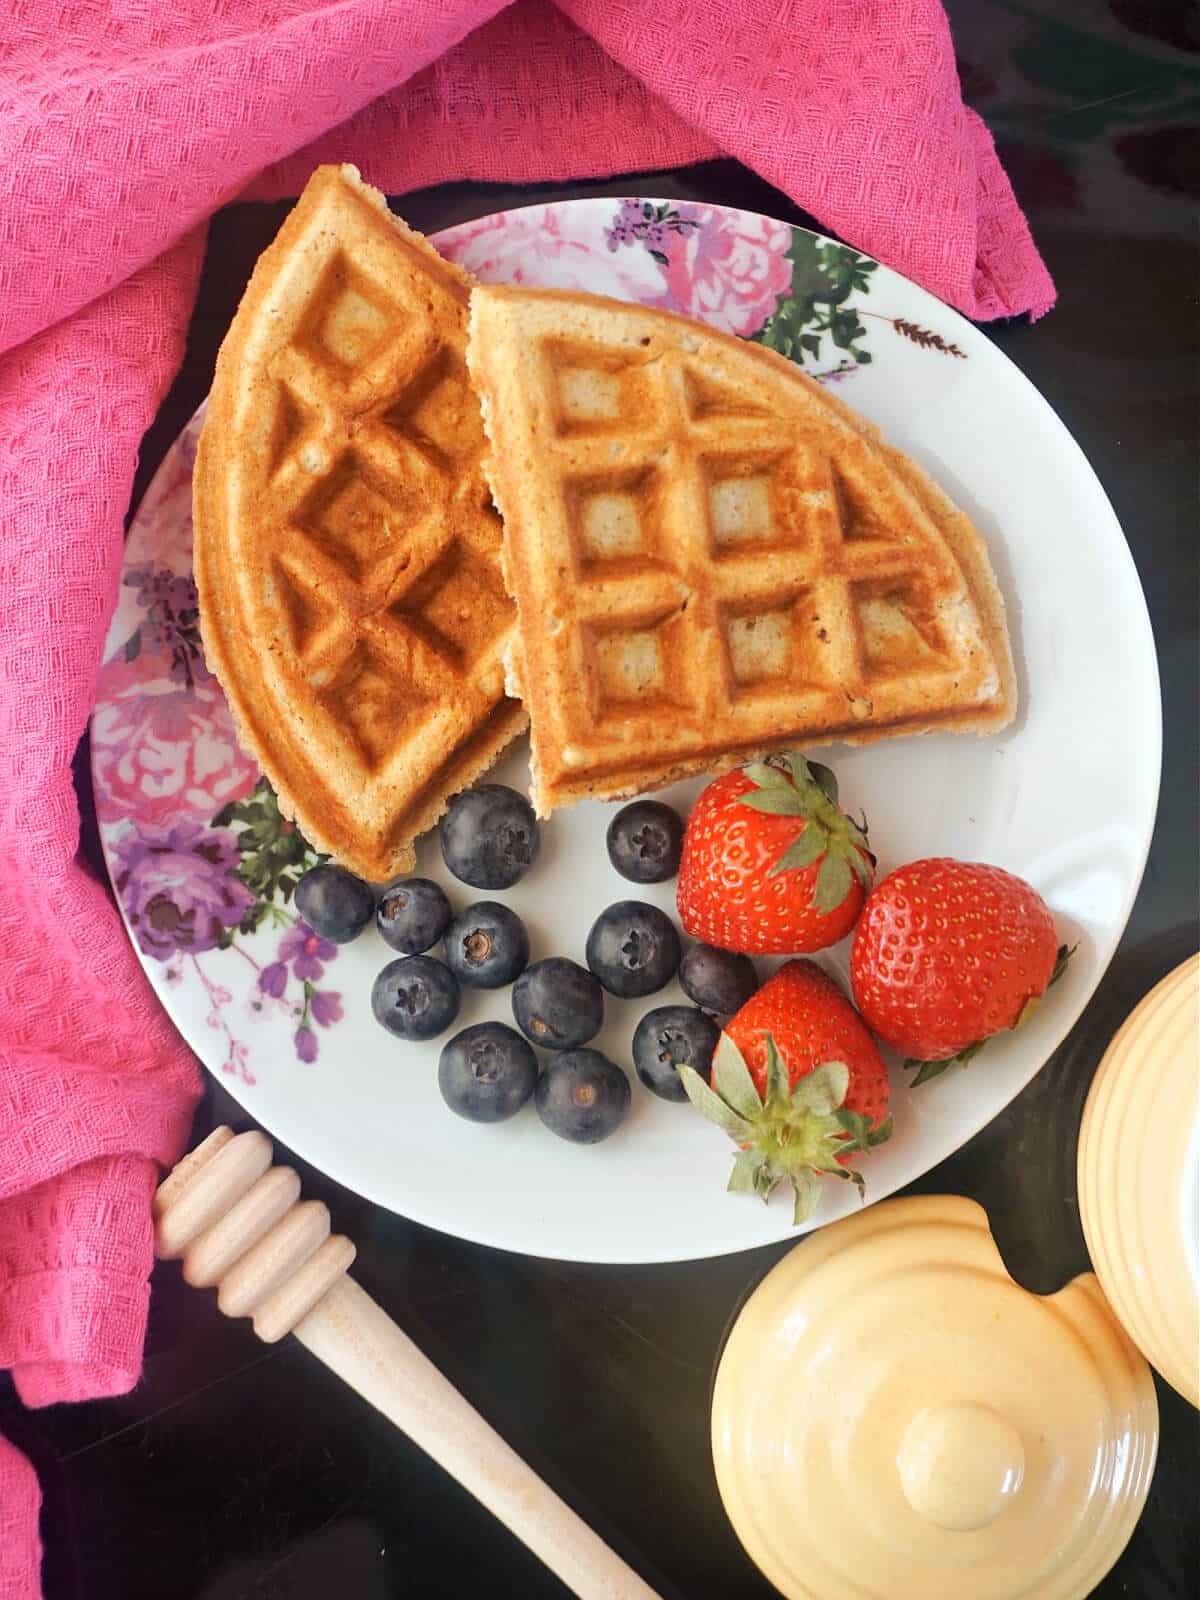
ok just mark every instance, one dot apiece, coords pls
pixel 356 1339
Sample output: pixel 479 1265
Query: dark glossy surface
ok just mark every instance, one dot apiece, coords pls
pixel 237 1472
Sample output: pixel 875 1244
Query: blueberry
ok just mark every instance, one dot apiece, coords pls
pixel 487 1072
pixel 633 948
pixel 412 914
pixel 645 841
pixel 582 1096
pixel 489 836
pixel 335 904
pixel 487 946
pixel 415 997
pixel 718 980
pixel 558 1004
pixel 670 1037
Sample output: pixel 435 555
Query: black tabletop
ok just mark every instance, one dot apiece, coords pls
pixel 237 1471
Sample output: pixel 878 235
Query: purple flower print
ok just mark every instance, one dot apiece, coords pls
pixel 172 623
pixel 653 226
pixel 159 585
pixel 273 979
pixel 304 954
pixel 304 951
pixel 326 1007
pixel 181 595
pixel 624 226
pixel 320 1005
pixel 179 890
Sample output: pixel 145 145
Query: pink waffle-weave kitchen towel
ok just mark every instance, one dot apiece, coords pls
pixel 121 130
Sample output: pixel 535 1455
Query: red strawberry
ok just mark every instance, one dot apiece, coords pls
pixel 770 865
pixel 798 1082
pixel 948 953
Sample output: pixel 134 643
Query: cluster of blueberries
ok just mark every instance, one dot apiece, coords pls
pixel 489 839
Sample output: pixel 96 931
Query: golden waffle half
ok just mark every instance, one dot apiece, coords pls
pixel 712 557
pixel 346 550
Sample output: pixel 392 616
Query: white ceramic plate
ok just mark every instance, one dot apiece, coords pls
pixel 1066 797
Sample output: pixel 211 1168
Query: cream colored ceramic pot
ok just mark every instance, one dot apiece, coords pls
pixel 893 1416
pixel 1139 1176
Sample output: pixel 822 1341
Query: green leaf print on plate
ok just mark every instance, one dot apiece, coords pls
pixel 824 276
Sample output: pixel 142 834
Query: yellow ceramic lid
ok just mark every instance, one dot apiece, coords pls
pixel 1139 1176
pixel 893 1416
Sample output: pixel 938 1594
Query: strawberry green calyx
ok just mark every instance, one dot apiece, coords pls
pixel 1065 952
pixel 789 786
pixel 927 1070
pixel 790 1135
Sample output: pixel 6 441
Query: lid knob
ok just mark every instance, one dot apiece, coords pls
pixel 960 1466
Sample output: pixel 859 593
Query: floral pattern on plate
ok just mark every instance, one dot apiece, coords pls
pixel 784 287
pixel 199 854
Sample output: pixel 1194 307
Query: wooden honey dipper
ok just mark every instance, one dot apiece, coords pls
pixel 240 1226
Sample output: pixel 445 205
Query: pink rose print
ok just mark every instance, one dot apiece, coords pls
pixel 730 271
pixel 163 753
pixel 554 249
pixel 179 890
